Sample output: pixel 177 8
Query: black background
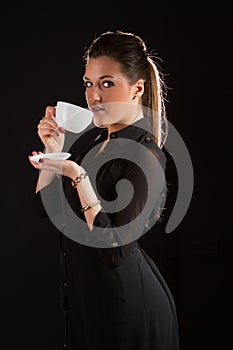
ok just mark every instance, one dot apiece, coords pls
pixel 42 47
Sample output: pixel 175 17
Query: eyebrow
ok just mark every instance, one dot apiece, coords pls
pixel 102 77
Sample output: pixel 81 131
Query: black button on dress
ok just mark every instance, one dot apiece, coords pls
pixel 113 295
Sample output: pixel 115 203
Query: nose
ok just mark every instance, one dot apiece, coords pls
pixel 93 95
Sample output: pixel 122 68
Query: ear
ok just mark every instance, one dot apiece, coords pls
pixel 139 88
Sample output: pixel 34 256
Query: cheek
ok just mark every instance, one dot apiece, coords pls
pixel 119 96
pixel 87 96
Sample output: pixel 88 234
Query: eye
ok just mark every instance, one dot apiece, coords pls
pixel 87 84
pixel 107 83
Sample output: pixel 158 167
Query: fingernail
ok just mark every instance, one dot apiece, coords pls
pixel 62 130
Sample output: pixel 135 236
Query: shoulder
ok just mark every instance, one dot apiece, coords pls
pixel 148 141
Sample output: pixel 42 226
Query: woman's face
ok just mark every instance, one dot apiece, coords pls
pixel 108 93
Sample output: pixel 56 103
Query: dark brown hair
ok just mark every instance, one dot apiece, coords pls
pixel 130 51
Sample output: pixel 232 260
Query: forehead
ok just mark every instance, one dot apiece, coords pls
pixel 100 66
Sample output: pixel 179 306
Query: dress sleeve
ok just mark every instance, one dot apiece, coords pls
pixel 47 201
pixel 121 228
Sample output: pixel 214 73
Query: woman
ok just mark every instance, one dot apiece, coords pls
pixel 114 297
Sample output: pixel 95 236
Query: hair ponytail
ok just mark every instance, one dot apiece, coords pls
pixel 153 100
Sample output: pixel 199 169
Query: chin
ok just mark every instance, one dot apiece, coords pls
pixel 99 123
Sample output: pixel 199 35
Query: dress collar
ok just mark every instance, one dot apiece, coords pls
pixel 132 131
pixel 138 131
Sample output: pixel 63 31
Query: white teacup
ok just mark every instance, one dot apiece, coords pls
pixel 72 118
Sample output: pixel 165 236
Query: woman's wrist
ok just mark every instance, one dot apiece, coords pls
pixel 78 175
pixel 52 149
pixel 78 179
pixel 74 170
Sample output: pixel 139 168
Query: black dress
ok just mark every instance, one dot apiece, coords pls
pixel 113 296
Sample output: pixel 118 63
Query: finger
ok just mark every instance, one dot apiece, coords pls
pixel 49 114
pixel 55 165
pixel 49 111
pixel 34 153
pixel 48 121
pixel 36 165
pixel 49 129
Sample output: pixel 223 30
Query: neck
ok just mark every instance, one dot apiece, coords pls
pixel 120 126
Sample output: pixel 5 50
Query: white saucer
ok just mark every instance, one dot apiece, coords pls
pixel 55 155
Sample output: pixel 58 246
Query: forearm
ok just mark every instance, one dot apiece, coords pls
pixel 87 198
pixel 44 179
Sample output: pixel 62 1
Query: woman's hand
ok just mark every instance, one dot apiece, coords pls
pixel 65 167
pixel 49 132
